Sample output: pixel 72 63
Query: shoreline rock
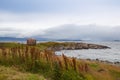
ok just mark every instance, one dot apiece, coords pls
pixel 105 61
pixel 77 46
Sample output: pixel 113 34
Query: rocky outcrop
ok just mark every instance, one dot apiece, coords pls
pixel 77 46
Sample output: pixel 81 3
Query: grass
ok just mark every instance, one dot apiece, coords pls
pixel 9 45
pixel 36 63
pixel 11 73
pixel 46 45
pixel 32 59
pixel 116 74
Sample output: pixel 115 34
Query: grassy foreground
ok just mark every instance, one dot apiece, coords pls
pixel 21 62
pixel 12 73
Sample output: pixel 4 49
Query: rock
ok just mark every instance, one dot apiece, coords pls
pixel 101 70
pixel 88 59
pixel 77 46
pixel 117 62
pixel 97 59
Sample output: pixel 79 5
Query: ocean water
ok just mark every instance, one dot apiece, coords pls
pixel 111 55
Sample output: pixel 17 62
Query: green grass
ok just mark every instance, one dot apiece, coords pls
pixel 52 44
pixel 94 66
pixel 116 74
pixel 89 77
pixel 10 45
pixel 11 73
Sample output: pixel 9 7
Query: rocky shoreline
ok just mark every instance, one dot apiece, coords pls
pixel 104 61
pixel 77 46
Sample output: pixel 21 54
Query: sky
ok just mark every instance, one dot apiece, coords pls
pixel 60 19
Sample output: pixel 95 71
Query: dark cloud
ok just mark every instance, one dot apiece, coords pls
pixel 84 32
pixel 68 31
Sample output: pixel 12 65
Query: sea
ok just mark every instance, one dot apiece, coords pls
pixel 110 55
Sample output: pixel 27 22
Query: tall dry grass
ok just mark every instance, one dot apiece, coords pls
pixel 31 58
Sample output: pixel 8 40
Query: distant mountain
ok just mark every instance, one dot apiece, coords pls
pixel 117 40
pixel 21 39
pixel 12 39
pixel 39 39
pixel 69 40
pixel 49 39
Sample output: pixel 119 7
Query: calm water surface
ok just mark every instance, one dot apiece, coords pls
pixel 112 55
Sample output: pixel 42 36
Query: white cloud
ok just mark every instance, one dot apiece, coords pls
pixel 32 24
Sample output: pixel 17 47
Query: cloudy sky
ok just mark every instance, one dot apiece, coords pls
pixel 61 19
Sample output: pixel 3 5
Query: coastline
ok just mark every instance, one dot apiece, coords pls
pixel 40 60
